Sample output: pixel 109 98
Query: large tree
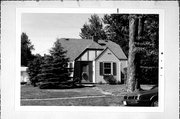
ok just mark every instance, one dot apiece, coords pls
pixel 54 66
pixel 143 49
pixel 135 31
pixel 34 68
pixel 94 28
pixel 26 48
pixel 148 44
pixel 117 29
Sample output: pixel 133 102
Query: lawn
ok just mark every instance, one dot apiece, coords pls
pixel 100 95
pixel 95 101
pixel 30 92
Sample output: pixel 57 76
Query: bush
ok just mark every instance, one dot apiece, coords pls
pixel 54 86
pixel 110 79
pixel 23 83
pixel 118 82
pixel 34 69
pixel 57 85
pixel 47 85
pixel 100 82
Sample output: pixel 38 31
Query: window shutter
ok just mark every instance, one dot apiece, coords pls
pixel 101 68
pixel 114 69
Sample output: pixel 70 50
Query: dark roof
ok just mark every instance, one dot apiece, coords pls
pixel 75 47
pixel 95 45
pixel 115 48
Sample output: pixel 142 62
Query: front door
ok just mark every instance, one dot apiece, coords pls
pixel 86 72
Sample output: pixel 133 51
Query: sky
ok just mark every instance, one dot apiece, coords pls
pixel 44 28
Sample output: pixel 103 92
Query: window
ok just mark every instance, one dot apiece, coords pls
pixel 107 68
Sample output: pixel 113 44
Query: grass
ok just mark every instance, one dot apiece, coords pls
pixel 97 101
pixel 100 95
pixel 30 92
pixel 113 89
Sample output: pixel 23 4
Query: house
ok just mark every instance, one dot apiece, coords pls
pixel 94 60
pixel 24 75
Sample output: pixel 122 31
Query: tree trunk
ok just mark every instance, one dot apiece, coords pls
pixel 131 78
pixel 140 27
pixel 135 34
pixel 137 56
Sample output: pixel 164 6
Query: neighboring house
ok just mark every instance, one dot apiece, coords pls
pixel 24 75
pixel 93 60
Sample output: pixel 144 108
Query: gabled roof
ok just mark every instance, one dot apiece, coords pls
pixel 95 45
pixel 75 47
pixel 103 53
pixel 115 48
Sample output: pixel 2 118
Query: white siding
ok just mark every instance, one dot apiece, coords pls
pixel 91 55
pixel 84 57
pixel 98 52
pixel 72 73
pixel 72 64
pixel 107 56
pixel 119 65
pixel 94 76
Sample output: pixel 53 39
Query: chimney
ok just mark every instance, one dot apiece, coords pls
pixel 95 38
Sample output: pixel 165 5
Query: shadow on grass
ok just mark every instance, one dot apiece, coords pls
pixel 64 86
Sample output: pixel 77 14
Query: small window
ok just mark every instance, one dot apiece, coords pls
pixel 107 68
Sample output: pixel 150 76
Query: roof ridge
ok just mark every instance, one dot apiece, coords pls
pixel 74 38
pixel 76 46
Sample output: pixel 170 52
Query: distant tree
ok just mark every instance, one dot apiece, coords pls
pixel 26 48
pixel 148 45
pixel 94 28
pixel 34 69
pixel 54 66
pixel 117 29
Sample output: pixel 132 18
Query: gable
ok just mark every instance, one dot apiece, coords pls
pixel 115 48
pixel 89 55
pixel 107 55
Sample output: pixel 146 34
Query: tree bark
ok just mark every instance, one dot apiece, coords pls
pixel 135 35
pixel 137 56
pixel 140 27
pixel 131 78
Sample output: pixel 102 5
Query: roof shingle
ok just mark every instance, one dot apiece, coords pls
pixel 75 47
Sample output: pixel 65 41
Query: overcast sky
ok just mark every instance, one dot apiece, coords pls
pixel 43 29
